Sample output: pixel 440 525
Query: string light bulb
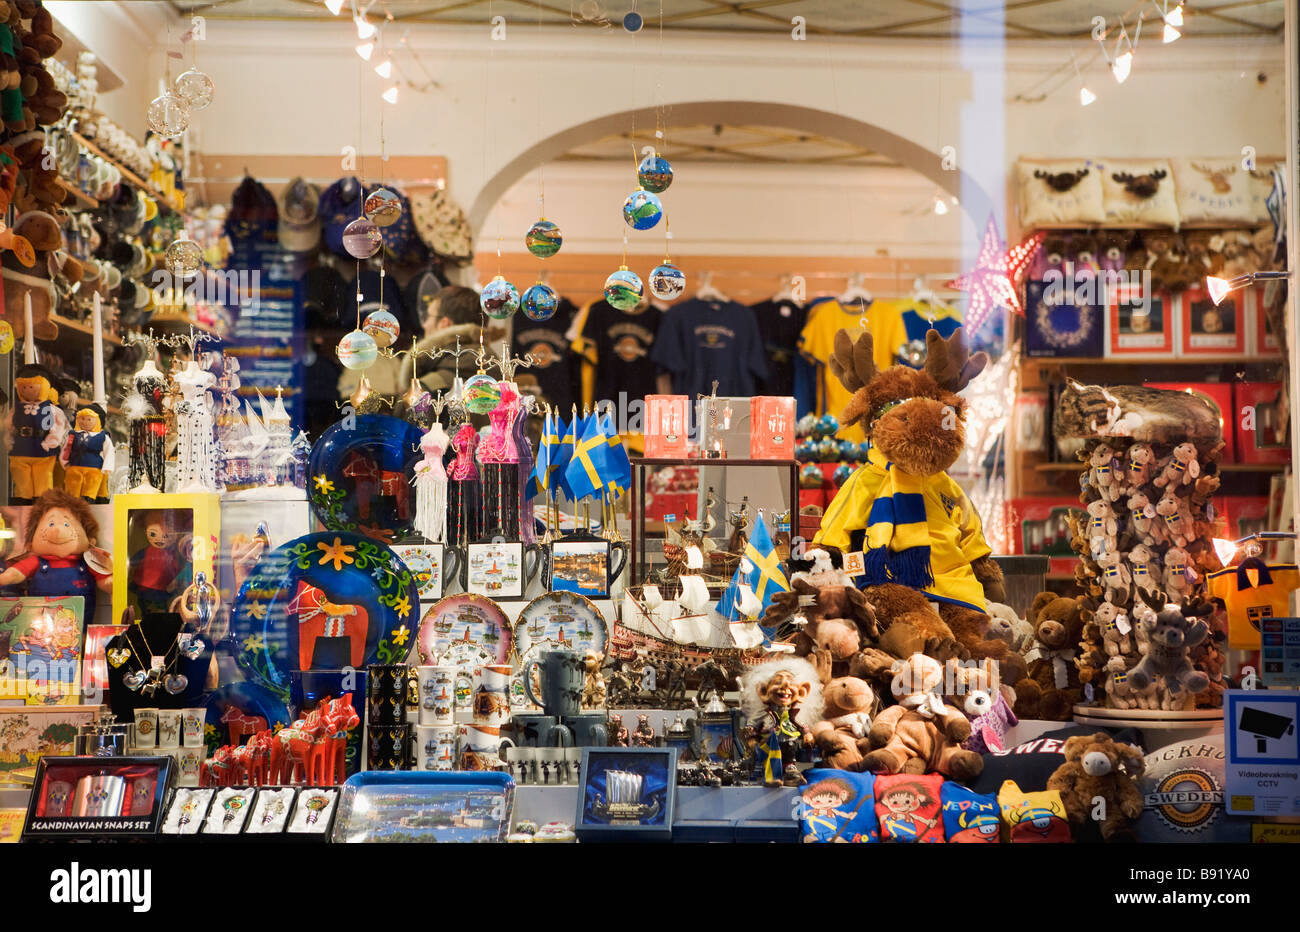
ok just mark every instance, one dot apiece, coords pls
pixel 385 68
pixel 334 6
pixel 365 28
pixel 1176 17
pixel 365 50
pixel 1122 66
pixel 940 205
pixel 1170 33
pixel 1086 96
pixel 390 95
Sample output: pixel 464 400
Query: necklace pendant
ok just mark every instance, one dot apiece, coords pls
pixel 176 683
pixel 134 680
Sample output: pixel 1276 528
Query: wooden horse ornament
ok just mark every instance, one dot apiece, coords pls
pixel 313 749
pixel 238 725
pixel 371 481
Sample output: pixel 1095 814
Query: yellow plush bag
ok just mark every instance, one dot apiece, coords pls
pixel 1033 818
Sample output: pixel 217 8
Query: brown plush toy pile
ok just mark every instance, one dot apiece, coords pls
pixel 1052 687
pixel 1099 781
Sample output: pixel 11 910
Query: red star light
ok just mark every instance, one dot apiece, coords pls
pixel 995 280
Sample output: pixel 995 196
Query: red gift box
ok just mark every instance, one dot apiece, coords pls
pixel 1219 396
pixel 1261 422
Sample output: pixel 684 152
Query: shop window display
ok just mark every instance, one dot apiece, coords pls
pixel 960 502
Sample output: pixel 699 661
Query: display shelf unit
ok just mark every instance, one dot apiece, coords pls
pixel 79 331
pixel 642 465
pixel 79 198
pixel 127 173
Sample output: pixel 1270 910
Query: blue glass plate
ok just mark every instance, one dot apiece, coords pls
pixel 359 476
pixel 351 591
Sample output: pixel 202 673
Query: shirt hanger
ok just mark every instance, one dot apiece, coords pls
pixel 856 292
pixel 707 291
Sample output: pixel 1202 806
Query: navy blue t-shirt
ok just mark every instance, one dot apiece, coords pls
pixel 703 341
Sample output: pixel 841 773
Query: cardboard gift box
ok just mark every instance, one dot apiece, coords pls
pixel 1262 422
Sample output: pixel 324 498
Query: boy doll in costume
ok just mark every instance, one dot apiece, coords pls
pixel 87 456
pixel 37 428
pixel 61 557
pixel 155 566
pixel 782 700
pixel 913 523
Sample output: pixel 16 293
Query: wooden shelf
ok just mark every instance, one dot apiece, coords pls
pixel 1223 467
pixel 129 175
pixel 1103 227
pixel 76 196
pixel 80 328
pixel 1142 361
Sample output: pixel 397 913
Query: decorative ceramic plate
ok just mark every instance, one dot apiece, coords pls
pixel 359 476
pixel 323 602
pixel 465 631
pixel 563 620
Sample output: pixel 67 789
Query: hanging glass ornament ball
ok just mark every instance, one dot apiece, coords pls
pixel 654 173
pixel 195 88
pixel 667 281
pixel 623 289
pixel 539 302
pixel 382 207
pixel 633 21
pixel 6 337
pixel 481 394
pixel 362 239
pixel 499 299
pixel 358 350
pixel 642 209
pixel 543 239
pixel 811 476
pixel 184 257
pixel 383 326
pixel 842 473
pixel 169 115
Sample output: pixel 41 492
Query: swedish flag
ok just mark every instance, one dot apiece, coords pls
pixel 589 464
pixel 561 454
pixel 618 477
pixel 540 479
pixel 766 579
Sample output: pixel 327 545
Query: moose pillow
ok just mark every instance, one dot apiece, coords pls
pixel 1139 191
pixel 1213 191
pixel 1059 192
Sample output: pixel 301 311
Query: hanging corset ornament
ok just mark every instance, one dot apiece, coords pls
pixel 524 470
pixel 196 447
pixel 463 489
pixel 148 430
pixel 431 486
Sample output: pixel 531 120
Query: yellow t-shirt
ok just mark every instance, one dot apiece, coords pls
pixel 1247 604
pixel 893 325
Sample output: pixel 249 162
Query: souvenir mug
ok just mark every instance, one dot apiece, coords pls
pixel 574 576
pixel 388 747
pixel 437 695
pixel 99 797
pixel 491 697
pixel 480 748
pixel 436 747
pixel 589 729
pixel 563 676
pixel 537 730
pixel 192 722
pixel 387 700
pixel 533 559
pixel 169 728
pixel 146 728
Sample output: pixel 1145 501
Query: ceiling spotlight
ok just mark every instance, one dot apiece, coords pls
pixel 1121 66
pixel 1170 33
pixel 390 95
pixel 385 68
pixel 365 49
pixel 940 205
pixel 365 29
pixel 334 6
pixel 1086 97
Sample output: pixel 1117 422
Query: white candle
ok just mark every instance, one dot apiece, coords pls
pixel 29 338
pixel 97 337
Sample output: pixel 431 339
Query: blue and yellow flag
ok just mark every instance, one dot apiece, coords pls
pixel 587 468
pixel 766 579
pixel 619 475
pixel 540 479
pixel 559 458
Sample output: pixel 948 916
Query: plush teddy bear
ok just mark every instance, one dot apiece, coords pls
pixel 1141 460
pixel 920 734
pixel 1102 474
pixel 1144 521
pixel 913 523
pixel 1143 568
pixel 1097 767
pixel 1114 627
pixel 1103 527
pixel 1176 518
pixel 1178 581
pixel 979 692
pixel 1181 468
pixel 1116 579
pixel 1052 685
pixel 841 735
pixel 1172 635
pixel 1006 625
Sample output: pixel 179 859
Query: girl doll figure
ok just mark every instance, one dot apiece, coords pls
pixel 901 820
pixel 430 483
pixel 196 446
pixel 155 567
pixel 463 489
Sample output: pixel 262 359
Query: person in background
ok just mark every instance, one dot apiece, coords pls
pixel 453 314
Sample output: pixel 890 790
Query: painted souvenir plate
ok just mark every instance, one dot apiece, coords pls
pixel 323 602
pixel 563 620
pixel 237 710
pixel 425 561
pixel 467 631
pixel 359 476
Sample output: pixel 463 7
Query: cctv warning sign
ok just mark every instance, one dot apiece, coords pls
pixel 1263 768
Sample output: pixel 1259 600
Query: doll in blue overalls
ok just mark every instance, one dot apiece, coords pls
pixel 61 558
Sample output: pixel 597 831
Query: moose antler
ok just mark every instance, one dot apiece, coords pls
pixel 948 361
pixel 853 361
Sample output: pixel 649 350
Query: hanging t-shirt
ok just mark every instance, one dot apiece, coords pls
pixel 779 324
pixel 618 344
pixel 1249 596
pixel 701 342
pixel 817 343
pixel 553 366
pixel 898 329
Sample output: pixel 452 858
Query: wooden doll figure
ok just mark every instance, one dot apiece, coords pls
pixel 88 456
pixel 37 429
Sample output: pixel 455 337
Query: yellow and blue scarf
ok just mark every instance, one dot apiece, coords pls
pixel 897 545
